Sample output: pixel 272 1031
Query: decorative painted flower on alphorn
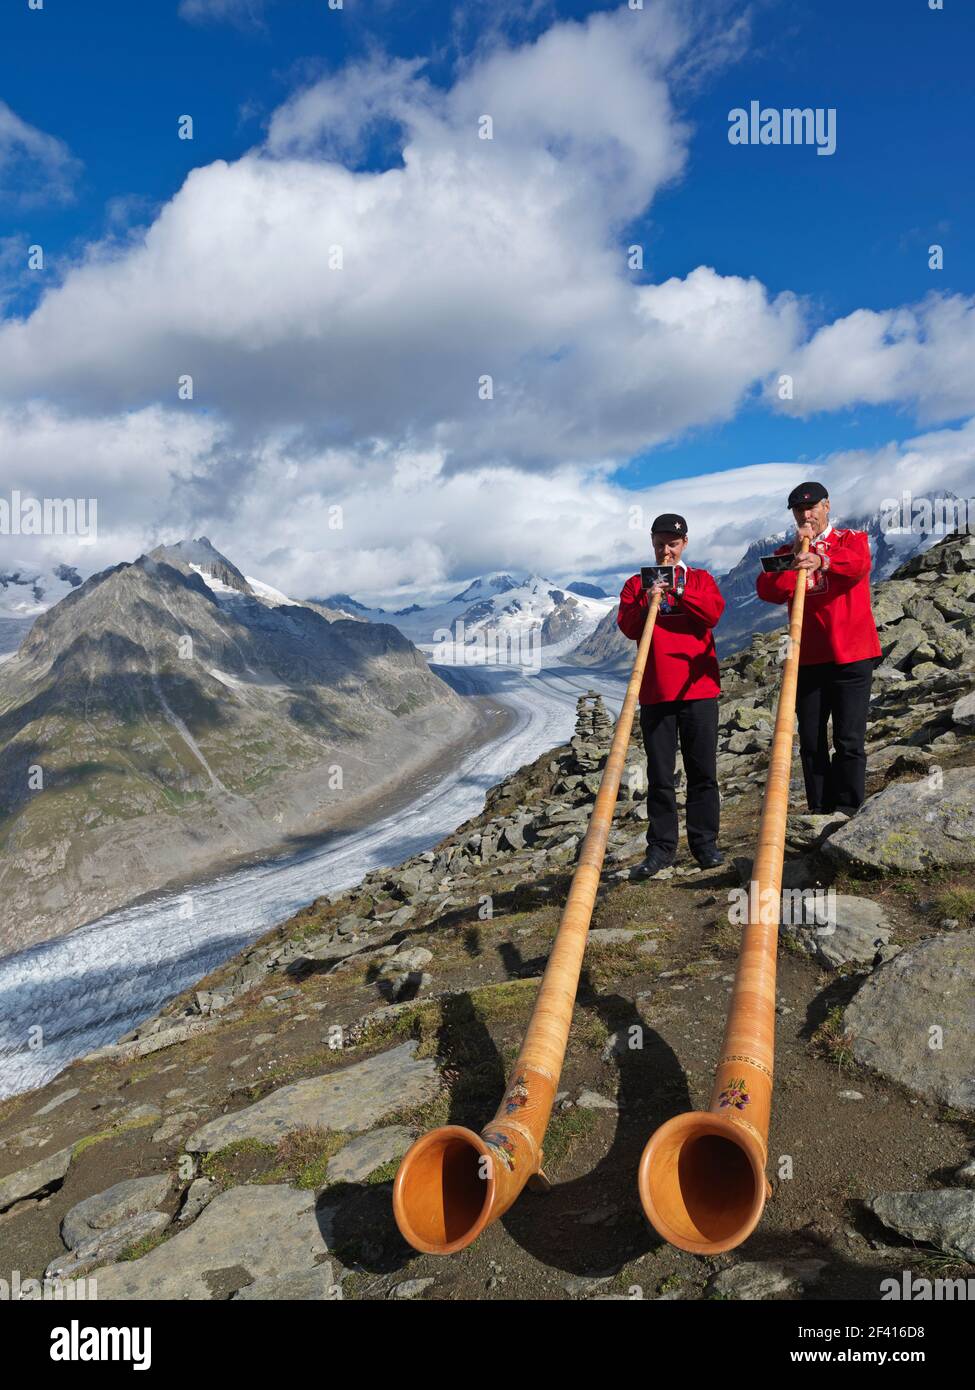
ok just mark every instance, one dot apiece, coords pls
pixel 734 1094
pixel 517 1095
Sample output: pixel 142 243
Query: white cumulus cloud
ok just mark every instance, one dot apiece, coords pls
pixel 922 355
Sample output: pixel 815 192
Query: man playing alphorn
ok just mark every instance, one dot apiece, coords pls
pixel 838 651
pixel 678 699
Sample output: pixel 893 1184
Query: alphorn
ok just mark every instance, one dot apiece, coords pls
pixel 452 1183
pixel 702 1175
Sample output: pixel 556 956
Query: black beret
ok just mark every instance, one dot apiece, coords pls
pixel 670 521
pixel 806 495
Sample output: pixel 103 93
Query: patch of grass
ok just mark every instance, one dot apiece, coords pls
pixel 965 1122
pixel 506 1000
pixel 611 963
pixel 7 1107
pixel 566 1128
pixel 422 1021
pixel 830 1041
pixel 141 1074
pixel 724 938
pixel 589 1031
pixel 240 1162
pixel 846 883
pixel 958 902
pixel 122 1127
pixel 354 1283
pixel 295 1069
pixel 669 1284
pixel 302 1156
pixel 699 969
pixel 789 941
pixel 936 1264
pixel 143 1246
pixel 386 1172
pixel 429 1115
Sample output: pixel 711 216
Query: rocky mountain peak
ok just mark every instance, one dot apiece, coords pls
pixel 183 716
pixel 487 586
pixel 201 555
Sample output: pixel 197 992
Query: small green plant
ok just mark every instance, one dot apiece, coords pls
pixel 302 1157
pixel 958 903
pixel 147 1243
pixel 386 1172
pixel 830 1041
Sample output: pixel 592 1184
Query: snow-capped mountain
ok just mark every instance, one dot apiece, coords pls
pixel 25 592
pixel 586 589
pixel 28 591
pixel 486 588
pixel 495 608
pixel 225 580
pixel 186 717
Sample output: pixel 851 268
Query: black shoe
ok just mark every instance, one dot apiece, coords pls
pixel 656 860
pixel 709 858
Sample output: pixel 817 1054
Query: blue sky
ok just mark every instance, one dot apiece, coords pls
pixel 833 235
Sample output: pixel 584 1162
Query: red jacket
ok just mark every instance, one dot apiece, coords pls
pixel 682 664
pixel 837 621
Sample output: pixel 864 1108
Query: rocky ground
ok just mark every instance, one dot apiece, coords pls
pixel 243 1143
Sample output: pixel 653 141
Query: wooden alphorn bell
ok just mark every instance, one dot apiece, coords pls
pixel 702 1175
pixel 452 1182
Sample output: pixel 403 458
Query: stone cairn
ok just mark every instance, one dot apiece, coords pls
pixel 593 732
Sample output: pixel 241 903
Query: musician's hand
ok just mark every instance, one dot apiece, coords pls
pixel 812 561
pixel 659 587
pixel 804 532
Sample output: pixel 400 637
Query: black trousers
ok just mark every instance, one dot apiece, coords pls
pixel 695 722
pixel 840 691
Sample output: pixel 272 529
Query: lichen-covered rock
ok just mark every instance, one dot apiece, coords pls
pixel 27 1182
pixel 944 1218
pixel 855 930
pixel 912 1020
pixel 911 826
pixel 125 1199
pixel 364 1154
pixel 354 1098
pixel 259 1232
